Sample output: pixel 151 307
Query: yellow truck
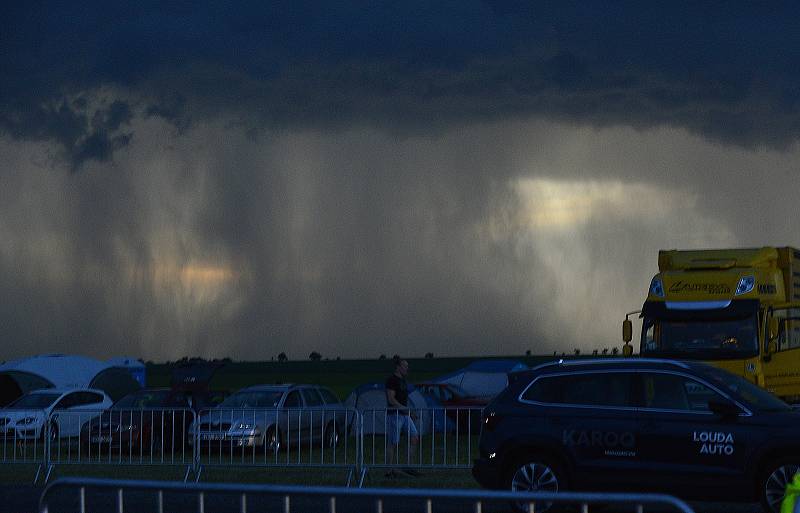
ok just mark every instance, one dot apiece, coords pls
pixel 738 309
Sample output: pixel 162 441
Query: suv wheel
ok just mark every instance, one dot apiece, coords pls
pixel 774 480
pixel 535 474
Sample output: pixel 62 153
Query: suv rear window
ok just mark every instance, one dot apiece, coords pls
pixel 582 389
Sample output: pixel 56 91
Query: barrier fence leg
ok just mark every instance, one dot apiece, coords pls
pixel 46 440
pixel 360 447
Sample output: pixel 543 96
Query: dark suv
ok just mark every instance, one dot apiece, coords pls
pixel 637 424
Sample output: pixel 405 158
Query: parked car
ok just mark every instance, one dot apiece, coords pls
pixel 639 425
pixel 463 409
pixel 271 416
pixel 452 395
pixel 145 421
pixel 68 408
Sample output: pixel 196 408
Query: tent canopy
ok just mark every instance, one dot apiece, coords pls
pixel 63 371
pixel 483 378
pixel 370 400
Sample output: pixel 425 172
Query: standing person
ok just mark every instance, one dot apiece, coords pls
pixel 398 415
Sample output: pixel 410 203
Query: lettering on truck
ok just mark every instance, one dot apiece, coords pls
pixel 767 289
pixel 709 288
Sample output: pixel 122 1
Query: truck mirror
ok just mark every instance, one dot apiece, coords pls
pixel 772 347
pixel 627 349
pixel 773 328
pixel 627 331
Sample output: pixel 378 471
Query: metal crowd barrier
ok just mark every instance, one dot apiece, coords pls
pixel 210 497
pixel 276 437
pixel 244 437
pixel 447 438
pixel 135 437
pixel 24 433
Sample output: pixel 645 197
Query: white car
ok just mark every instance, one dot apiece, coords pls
pixel 69 409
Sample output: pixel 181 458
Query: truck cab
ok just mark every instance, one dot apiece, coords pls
pixel 738 309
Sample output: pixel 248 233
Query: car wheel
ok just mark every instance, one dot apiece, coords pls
pixel 272 440
pixel 535 474
pixel 774 480
pixel 53 432
pixel 331 436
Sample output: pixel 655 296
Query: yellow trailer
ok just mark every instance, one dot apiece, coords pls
pixel 738 309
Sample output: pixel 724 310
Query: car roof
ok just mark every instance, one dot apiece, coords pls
pixel 154 389
pixel 63 390
pixel 280 387
pixel 630 363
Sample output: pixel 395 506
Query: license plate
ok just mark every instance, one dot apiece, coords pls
pixel 104 439
pixel 212 436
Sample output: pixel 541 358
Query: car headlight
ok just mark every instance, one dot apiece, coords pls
pixel 129 427
pixel 245 425
pixel 28 420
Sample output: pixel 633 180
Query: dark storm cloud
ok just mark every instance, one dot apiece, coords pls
pixel 342 175
pixel 729 74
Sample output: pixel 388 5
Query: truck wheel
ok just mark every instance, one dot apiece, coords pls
pixel 534 473
pixel 772 484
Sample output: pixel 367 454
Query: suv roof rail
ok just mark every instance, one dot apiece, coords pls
pixel 598 361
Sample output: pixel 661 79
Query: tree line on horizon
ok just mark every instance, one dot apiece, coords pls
pixel 316 356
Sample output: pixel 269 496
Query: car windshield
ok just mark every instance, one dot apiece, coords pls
pixel 35 401
pixel 153 399
pixel 702 339
pixel 756 397
pixel 253 399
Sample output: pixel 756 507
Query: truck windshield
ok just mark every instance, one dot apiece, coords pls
pixel 701 339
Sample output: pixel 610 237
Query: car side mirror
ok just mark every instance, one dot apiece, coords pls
pixel 724 408
pixel 627 330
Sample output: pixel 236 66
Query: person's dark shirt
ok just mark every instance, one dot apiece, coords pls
pixel 400 388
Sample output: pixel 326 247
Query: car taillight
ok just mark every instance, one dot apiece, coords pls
pixel 490 421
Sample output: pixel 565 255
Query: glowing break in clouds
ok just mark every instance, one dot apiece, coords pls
pixel 591 246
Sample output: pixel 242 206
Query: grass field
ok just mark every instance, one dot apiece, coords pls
pixel 461 479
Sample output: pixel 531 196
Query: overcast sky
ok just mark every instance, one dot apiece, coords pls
pixel 358 178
